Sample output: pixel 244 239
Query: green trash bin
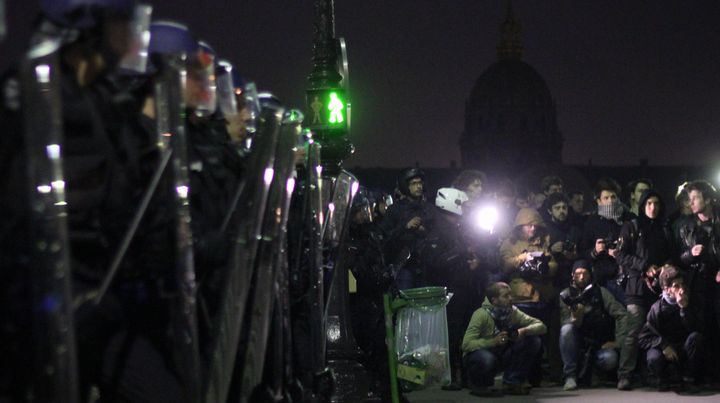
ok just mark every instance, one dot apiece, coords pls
pixel 416 326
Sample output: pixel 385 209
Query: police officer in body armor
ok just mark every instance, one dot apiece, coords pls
pixel 117 349
pixel 450 262
pixel 405 226
pixel 374 279
pixel 593 327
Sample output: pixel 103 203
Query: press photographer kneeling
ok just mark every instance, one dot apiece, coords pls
pixel 592 322
pixel 499 333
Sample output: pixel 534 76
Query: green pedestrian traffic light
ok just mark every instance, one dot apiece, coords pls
pixel 327 109
pixel 336 106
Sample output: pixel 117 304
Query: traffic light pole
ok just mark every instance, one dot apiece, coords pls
pixel 327 117
pixel 326 113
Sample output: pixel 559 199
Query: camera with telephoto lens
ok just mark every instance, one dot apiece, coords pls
pixel 536 266
pixel 572 297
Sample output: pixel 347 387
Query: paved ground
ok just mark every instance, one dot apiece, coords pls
pixel 557 394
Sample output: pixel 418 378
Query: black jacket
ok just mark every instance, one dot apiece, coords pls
pixel 597 227
pixel 400 240
pixel 645 243
pixel 668 325
pixel 691 232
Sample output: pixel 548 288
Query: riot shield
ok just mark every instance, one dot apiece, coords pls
pixel 247 224
pixel 351 382
pixel 270 254
pixel 314 218
pixel 170 121
pixel 54 355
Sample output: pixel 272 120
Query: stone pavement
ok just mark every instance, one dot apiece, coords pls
pixel 556 394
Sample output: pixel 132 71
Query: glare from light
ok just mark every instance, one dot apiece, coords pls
pixel 486 218
pixel 269 173
pixel 44 189
pixel 53 151
pixel 290 185
pixel 331 207
pixel 42 72
pixel 182 191
pixel 318 169
pixel 354 188
pixel 58 185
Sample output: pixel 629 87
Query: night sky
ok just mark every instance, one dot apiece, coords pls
pixel 631 79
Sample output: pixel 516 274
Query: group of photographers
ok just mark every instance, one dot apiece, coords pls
pixel 569 296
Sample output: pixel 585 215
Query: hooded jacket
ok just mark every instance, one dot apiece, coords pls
pixel 482 328
pixel 646 242
pixel 513 255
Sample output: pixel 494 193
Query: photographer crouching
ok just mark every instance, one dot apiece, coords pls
pixel 592 321
pixel 500 333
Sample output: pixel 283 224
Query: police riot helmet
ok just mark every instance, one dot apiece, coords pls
pixel 451 200
pixel 84 14
pixel 404 179
pixel 171 37
pixel 268 100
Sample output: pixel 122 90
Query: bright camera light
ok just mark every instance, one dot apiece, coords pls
pixel 485 218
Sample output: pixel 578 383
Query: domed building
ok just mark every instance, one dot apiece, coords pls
pixel 510 117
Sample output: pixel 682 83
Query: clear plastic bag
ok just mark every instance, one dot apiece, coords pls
pixel 421 343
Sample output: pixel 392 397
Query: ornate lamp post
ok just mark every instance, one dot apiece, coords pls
pixel 327 116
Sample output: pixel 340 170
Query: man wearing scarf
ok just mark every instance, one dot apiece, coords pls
pixel 672 332
pixel 601 230
pixel 499 332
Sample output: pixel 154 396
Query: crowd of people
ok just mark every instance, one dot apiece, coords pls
pixel 547 292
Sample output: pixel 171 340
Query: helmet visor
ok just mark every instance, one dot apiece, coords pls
pixel 137 55
pixel 227 101
pixel 201 77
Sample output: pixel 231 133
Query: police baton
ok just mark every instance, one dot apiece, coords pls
pixel 132 229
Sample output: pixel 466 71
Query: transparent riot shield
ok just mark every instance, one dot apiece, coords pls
pixel 314 219
pixel 351 381
pixel 247 223
pixel 270 254
pixel 54 355
pixel 170 121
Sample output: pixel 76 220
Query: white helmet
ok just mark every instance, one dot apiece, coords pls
pixel 451 200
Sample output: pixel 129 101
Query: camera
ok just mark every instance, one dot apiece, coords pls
pixel 572 297
pixel 536 266
pixel 610 243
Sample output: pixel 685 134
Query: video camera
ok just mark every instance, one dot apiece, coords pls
pixel 572 297
pixel 537 265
